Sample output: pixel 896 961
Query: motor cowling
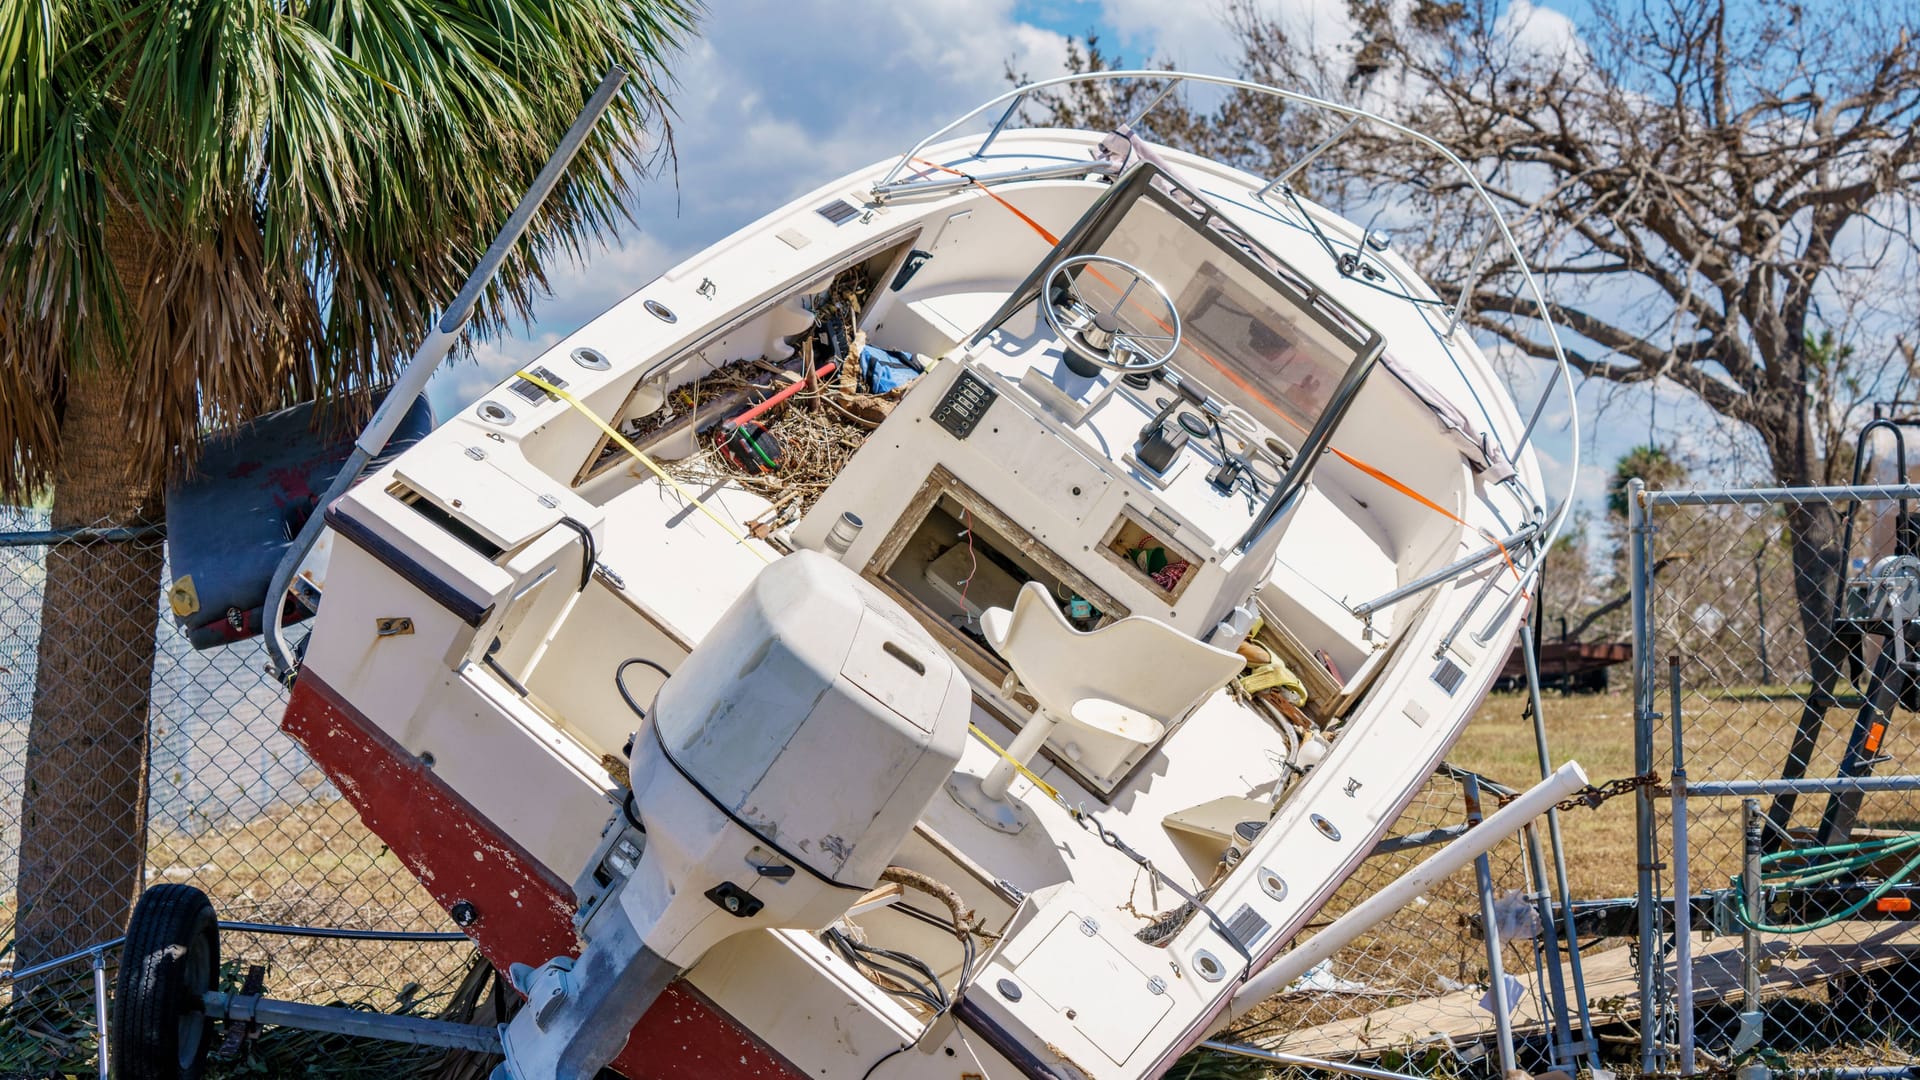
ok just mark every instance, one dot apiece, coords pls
pixel 808 732
pixel 777 773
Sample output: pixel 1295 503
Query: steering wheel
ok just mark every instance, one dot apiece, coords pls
pixel 1107 337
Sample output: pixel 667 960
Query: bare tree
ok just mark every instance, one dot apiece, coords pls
pixel 1706 188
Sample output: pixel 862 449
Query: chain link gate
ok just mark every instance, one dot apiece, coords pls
pixel 171 762
pixel 1773 683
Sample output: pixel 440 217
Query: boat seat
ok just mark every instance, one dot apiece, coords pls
pixel 1127 680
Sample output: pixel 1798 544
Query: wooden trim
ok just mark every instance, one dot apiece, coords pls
pixel 941 481
pixel 593 467
pixel 963 647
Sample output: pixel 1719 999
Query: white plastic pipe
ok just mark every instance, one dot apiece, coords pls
pixel 1456 856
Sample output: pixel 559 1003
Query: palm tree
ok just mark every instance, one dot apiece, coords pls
pixel 213 208
pixel 1647 462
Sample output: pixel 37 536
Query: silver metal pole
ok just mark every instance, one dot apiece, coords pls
pixel 1682 888
pixel 999 125
pixel 1569 930
pixel 1306 159
pixel 346 933
pixel 1496 966
pixel 440 338
pixel 1752 1018
pixel 1444 574
pixel 100 1009
pixel 1469 283
pixel 1502 823
pixel 1548 952
pixel 1067 170
pixel 1638 533
pixel 59 961
pixel 415 1030
pixel 1344 1068
pixel 1831 493
pixel 1812 785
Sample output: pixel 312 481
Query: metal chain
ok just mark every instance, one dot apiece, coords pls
pixel 1591 796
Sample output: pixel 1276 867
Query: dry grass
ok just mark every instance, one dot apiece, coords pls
pixel 1734 734
pixel 316 864
pixel 1597 731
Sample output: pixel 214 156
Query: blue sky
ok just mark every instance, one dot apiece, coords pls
pixel 776 98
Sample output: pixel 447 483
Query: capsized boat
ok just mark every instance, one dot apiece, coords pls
pixel 964 623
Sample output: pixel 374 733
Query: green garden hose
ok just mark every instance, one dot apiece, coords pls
pixel 1840 860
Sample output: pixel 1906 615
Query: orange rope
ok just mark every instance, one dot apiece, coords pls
pixel 1052 240
pixel 1378 474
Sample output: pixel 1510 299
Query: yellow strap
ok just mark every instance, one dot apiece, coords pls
pixel 621 441
pixel 1018 767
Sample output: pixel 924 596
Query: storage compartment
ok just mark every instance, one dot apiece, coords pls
pixel 1160 565
pixel 660 417
pixel 951 556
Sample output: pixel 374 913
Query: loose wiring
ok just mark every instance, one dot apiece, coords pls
pixel 620 682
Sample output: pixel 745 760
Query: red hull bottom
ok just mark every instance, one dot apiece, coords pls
pixel 525 913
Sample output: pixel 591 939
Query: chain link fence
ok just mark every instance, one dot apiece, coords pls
pixel 1773 683
pixel 128 758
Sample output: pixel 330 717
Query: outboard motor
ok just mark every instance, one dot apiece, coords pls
pixel 777 773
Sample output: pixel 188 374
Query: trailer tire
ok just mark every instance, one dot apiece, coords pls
pixel 161 1030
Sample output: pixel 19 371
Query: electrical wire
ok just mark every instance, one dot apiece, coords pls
pixel 969 956
pixel 620 682
pixel 917 983
pixel 627 808
pixel 973 564
pixel 884 1058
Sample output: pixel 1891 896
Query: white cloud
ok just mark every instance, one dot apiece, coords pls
pixel 1541 31
pixel 774 99
pixel 1197 36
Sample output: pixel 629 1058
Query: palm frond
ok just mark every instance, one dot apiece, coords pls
pixel 252 202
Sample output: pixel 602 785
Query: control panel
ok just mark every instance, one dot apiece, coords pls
pixel 964 403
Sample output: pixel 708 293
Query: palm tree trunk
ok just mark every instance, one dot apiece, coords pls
pixel 84 807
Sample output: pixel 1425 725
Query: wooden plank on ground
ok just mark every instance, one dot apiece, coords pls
pixel 1792 963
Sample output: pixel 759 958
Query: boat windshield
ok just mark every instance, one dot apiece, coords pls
pixel 1256 334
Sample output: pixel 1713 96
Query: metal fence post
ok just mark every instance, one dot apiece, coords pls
pixel 1752 1018
pixel 1638 532
pixel 1568 932
pixel 1682 887
pixel 1496 967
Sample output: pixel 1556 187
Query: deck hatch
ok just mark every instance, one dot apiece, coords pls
pixel 1094 987
pixel 839 211
pixel 1248 927
pixel 533 394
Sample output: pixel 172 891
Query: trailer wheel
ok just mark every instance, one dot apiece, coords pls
pixel 161 1030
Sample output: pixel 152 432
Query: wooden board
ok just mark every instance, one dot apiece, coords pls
pixel 1791 963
